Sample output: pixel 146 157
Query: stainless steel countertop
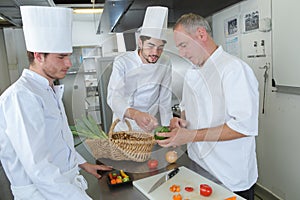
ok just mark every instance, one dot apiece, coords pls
pixel 99 189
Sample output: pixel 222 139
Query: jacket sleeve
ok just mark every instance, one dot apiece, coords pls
pixel 165 96
pixel 27 135
pixel 116 98
pixel 240 89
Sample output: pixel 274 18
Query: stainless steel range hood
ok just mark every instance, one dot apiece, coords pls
pixel 10 10
pixel 125 15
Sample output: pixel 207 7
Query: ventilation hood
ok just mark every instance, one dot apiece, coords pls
pixel 10 10
pixel 126 15
pixel 10 15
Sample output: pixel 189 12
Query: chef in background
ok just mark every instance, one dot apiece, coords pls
pixel 36 145
pixel 140 84
pixel 220 102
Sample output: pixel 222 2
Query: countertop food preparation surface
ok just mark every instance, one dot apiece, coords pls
pixel 99 189
pixel 184 178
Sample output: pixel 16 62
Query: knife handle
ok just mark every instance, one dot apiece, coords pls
pixel 173 172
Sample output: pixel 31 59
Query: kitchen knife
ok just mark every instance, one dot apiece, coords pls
pixel 164 179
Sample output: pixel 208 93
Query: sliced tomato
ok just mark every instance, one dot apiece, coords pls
pixel 189 189
pixel 205 190
pixel 177 197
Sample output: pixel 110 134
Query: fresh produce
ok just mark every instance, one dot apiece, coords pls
pixel 189 189
pixel 118 177
pixel 110 176
pixel 205 190
pixel 177 197
pixel 231 198
pixel 114 175
pixel 119 180
pixel 175 188
pixel 152 163
pixel 87 127
pixel 171 156
pixel 123 174
pixel 125 179
pixel 160 129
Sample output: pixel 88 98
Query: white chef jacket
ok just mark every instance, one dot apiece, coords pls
pixel 224 90
pixel 36 145
pixel 145 87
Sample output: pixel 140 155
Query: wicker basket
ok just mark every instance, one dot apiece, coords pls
pixel 123 145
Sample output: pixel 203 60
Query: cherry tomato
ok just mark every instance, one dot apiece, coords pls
pixel 189 189
pixel 205 190
pixel 152 164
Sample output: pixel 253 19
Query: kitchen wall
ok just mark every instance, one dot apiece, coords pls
pixel 15 52
pixel 4 75
pixel 277 143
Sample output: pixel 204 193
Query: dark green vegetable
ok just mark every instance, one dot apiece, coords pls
pixel 161 129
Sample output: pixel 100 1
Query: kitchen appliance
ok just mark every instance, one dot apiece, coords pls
pixel 184 178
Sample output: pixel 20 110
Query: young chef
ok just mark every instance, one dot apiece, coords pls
pixel 36 145
pixel 220 108
pixel 140 83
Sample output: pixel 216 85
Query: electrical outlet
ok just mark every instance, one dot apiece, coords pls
pixel 255 44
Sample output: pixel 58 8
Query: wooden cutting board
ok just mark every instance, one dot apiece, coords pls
pixel 185 177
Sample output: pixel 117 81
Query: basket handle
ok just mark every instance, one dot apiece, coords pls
pixel 113 125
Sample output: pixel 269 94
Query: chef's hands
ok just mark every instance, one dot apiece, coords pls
pixel 93 168
pixel 145 121
pixel 176 122
pixel 179 135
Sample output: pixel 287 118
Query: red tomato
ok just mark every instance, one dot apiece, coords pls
pixel 205 190
pixel 189 189
pixel 152 164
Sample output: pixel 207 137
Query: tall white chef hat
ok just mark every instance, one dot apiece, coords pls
pixel 155 22
pixel 47 29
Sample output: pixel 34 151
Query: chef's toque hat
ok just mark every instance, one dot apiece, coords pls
pixel 47 29
pixel 155 22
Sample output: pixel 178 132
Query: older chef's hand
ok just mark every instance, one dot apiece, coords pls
pixel 145 121
pixel 176 122
pixel 177 137
pixel 92 168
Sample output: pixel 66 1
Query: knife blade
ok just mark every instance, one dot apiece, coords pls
pixel 164 179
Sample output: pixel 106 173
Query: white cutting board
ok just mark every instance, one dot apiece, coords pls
pixel 185 177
